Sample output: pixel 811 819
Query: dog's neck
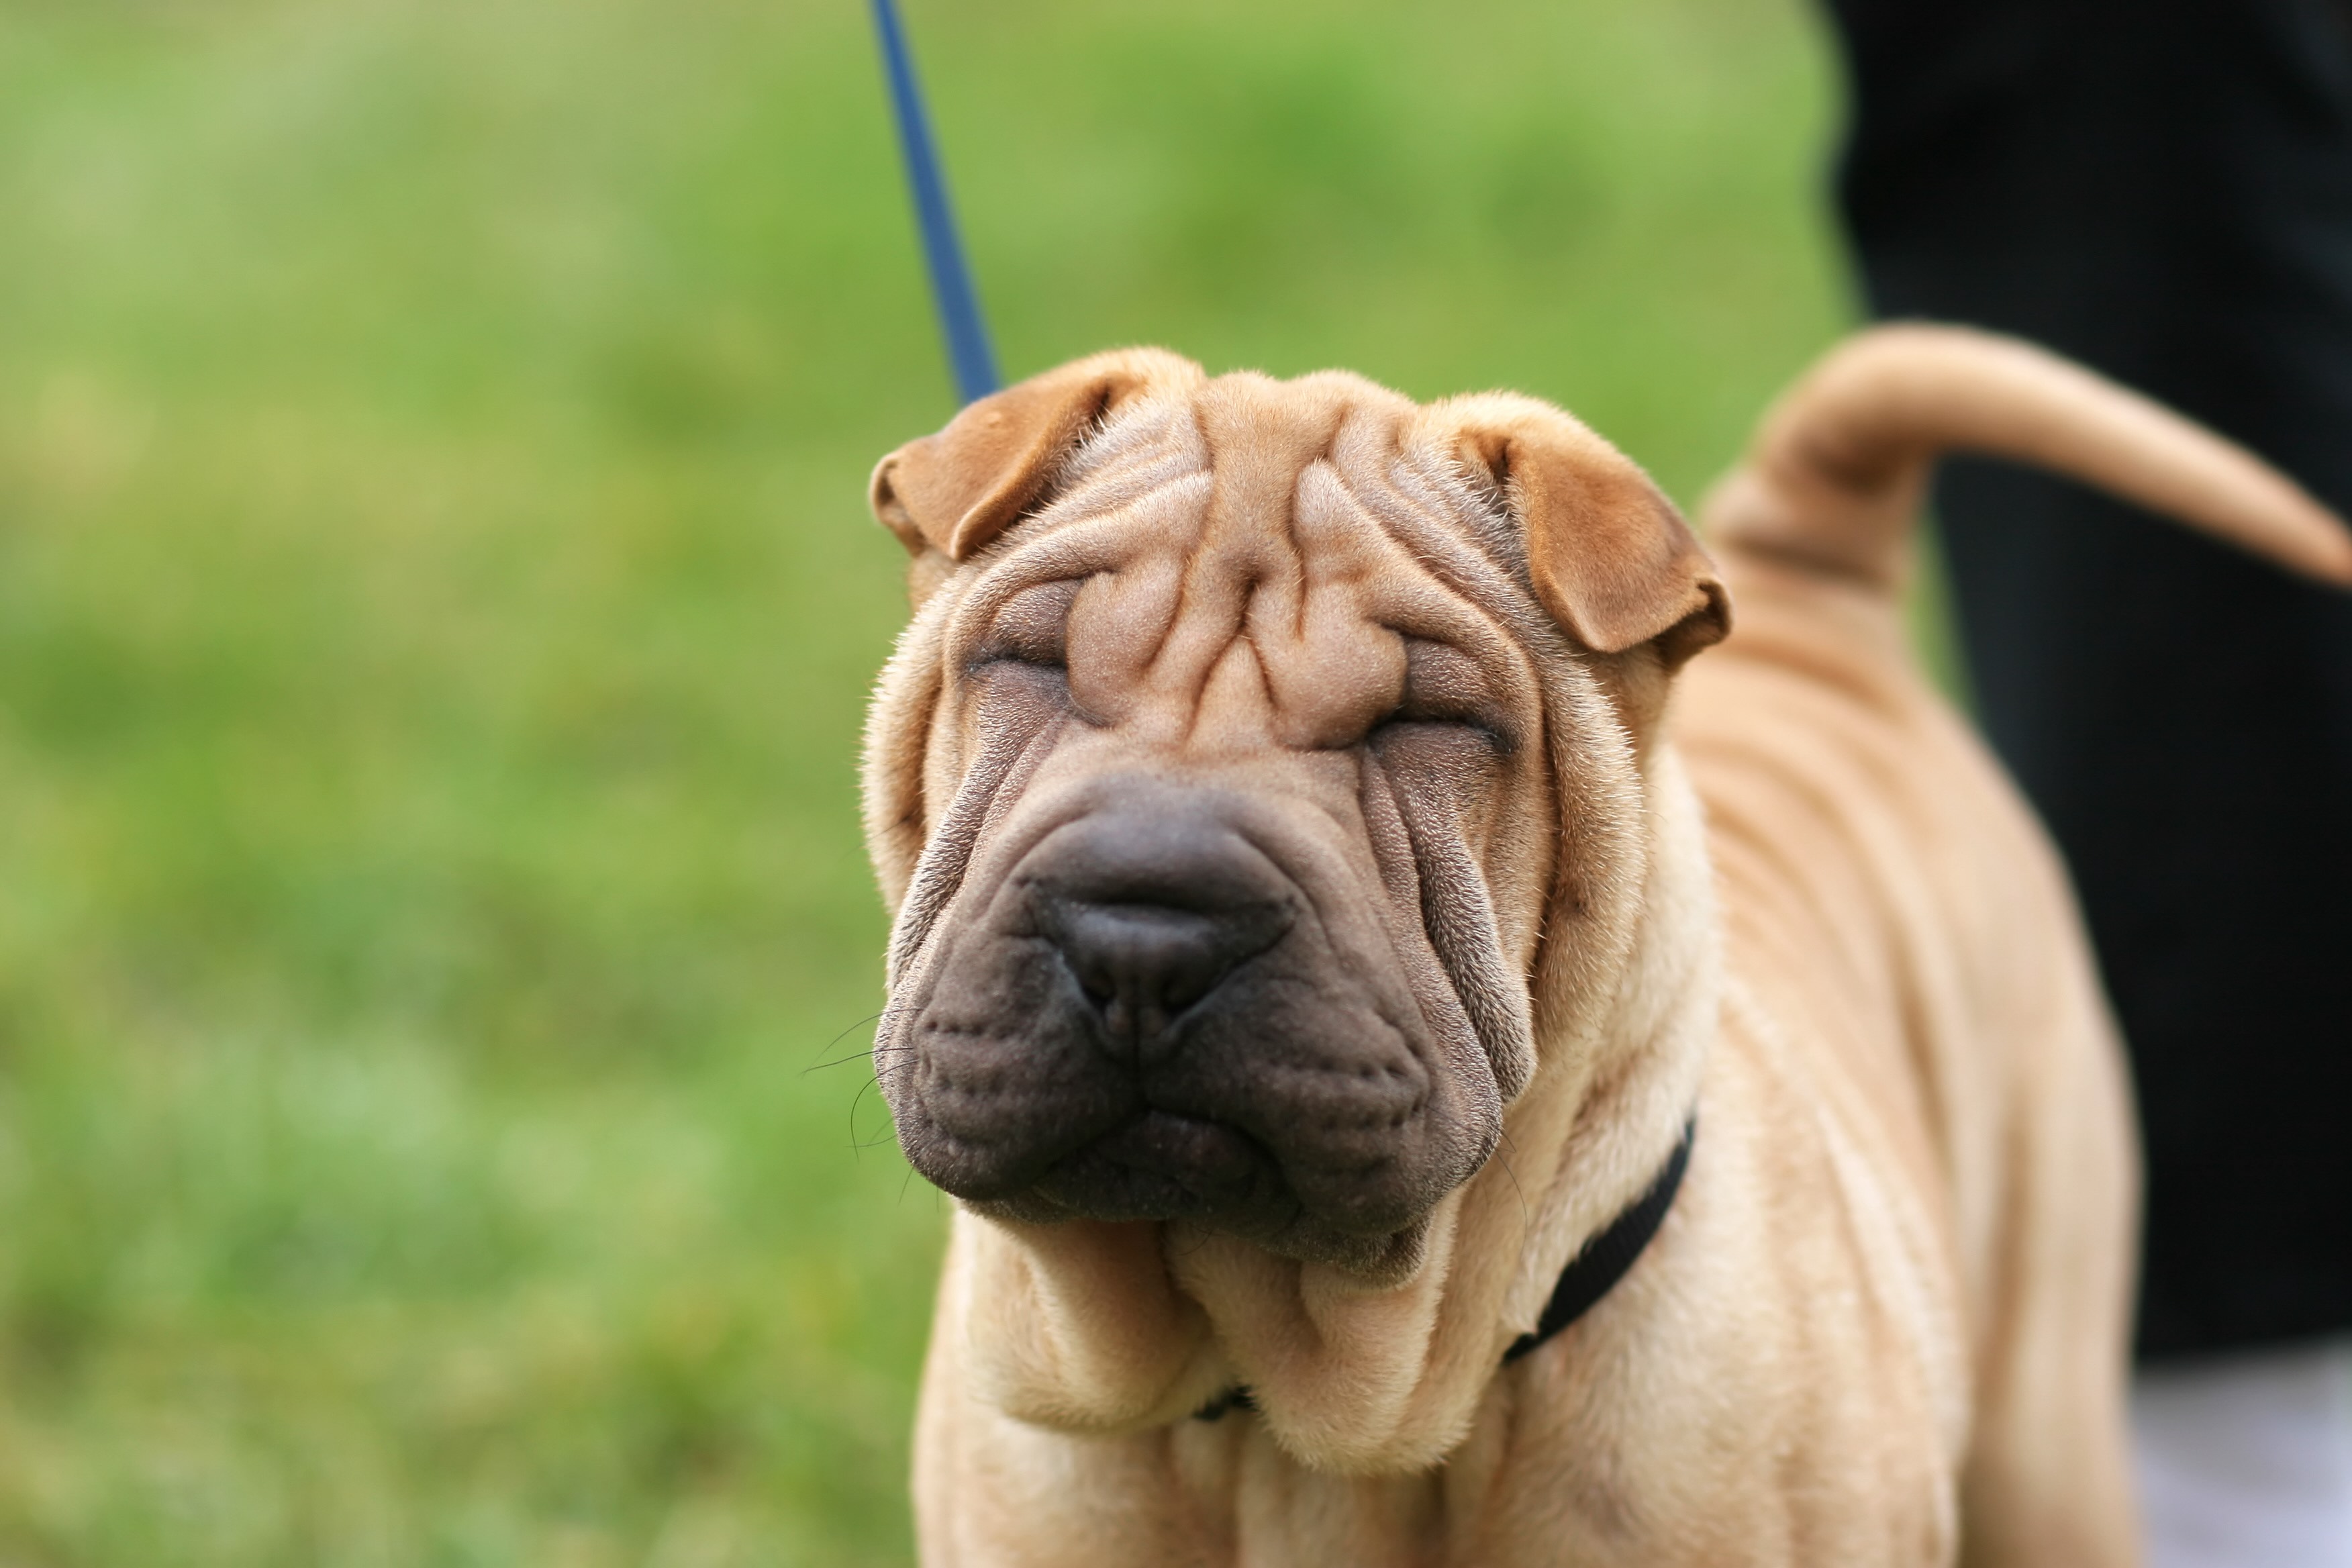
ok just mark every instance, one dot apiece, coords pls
pixel 1097 1327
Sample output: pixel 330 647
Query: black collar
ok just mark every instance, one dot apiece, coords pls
pixel 1590 1275
pixel 1606 1259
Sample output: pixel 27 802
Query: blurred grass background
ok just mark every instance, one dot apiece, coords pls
pixel 435 604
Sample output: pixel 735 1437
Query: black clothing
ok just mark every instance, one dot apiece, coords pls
pixel 2163 191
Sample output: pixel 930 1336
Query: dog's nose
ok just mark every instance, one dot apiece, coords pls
pixel 1143 965
pixel 1152 913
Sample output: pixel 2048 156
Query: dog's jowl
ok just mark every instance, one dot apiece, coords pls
pixel 1316 926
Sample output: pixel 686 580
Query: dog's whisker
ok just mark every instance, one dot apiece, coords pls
pixel 864 1056
pixel 854 1102
pixel 869 1018
pixel 1526 1213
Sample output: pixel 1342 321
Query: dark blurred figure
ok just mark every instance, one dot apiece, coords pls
pixel 2163 191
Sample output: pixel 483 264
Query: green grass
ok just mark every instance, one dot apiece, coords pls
pixel 435 605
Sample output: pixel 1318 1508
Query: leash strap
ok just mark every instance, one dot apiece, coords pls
pixel 973 361
pixel 1606 1259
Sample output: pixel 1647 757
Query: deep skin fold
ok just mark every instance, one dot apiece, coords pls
pixel 1007 647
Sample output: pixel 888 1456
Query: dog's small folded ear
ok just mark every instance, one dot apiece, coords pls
pixel 1611 558
pixel 954 491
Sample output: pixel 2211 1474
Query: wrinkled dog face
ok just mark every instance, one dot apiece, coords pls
pixel 1232 771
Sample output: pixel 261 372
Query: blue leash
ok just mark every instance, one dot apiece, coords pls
pixel 967 333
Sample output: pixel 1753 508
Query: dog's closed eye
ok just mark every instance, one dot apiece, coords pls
pixel 1443 685
pixel 1032 627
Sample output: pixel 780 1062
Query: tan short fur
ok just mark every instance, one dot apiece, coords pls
pixel 1884 1321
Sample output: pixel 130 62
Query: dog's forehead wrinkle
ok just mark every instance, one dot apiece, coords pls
pixel 1151 432
pixel 1081 542
pixel 1439 482
pixel 1105 496
pixel 1253 555
pixel 1144 452
pixel 1233 700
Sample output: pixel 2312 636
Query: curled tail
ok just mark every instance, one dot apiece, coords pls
pixel 1840 464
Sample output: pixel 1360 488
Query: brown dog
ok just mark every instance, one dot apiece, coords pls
pixel 1312 932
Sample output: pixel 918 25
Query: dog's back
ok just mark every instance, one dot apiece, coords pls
pixel 1898 931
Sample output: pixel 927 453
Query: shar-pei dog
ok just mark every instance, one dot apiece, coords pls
pixel 1435 1071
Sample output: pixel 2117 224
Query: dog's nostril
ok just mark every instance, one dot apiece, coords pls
pixel 1141 966
pixel 1151 905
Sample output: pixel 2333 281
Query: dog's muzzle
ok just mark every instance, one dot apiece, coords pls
pixel 1170 1007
